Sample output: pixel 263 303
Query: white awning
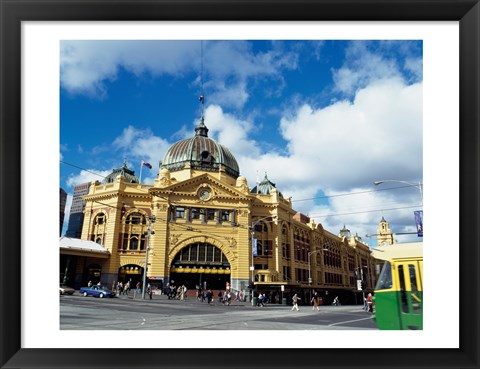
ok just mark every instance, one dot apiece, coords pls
pixel 75 246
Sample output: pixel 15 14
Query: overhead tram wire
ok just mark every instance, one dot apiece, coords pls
pixel 314 198
pixel 86 170
pixel 352 193
pixel 362 212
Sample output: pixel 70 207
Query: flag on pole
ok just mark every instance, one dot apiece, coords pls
pixel 148 165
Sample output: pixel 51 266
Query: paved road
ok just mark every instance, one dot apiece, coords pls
pixel 120 313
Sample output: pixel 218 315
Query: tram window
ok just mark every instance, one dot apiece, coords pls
pixel 385 278
pixel 403 292
pixel 416 299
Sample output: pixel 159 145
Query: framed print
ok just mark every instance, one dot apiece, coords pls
pixel 35 35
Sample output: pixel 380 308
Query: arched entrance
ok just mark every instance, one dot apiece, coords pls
pixel 200 265
pixel 132 273
pixel 93 273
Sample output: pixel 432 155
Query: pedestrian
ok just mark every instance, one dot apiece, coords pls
pixel 149 291
pixel 314 301
pixel 137 288
pixel 209 296
pixel 259 299
pixel 370 303
pixel 295 300
pixel 183 290
pixel 365 303
pixel 119 288
pixel 89 284
pixel 219 296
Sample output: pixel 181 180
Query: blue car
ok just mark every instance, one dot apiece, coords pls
pixel 96 291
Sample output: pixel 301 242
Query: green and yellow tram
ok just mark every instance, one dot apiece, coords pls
pixel 398 295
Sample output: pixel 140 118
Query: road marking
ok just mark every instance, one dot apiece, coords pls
pixel 350 321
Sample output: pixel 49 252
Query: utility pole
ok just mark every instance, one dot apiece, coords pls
pixel 150 220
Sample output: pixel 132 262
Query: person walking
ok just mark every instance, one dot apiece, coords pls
pixel 315 302
pixel 370 303
pixel 209 296
pixel 149 291
pixel 295 300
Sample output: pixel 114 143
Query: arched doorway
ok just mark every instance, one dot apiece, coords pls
pixel 93 273
pixel 132 273
pixel 200 265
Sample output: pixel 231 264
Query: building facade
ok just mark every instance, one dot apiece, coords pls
pixel 75 222
pixel 201 225
pixel 63 202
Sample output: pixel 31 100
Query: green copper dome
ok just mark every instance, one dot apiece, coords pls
pixel 128 174
pixel 265 187
pixel 202 153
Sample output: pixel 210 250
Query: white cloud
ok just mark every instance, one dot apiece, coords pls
pixel 367 62
pixel 87 175
pixel 87 65
pixel 230 68
pixel 230 131
pixel 343 148
pixel 137 144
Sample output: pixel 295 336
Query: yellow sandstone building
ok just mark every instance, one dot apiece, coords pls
pixel 201 225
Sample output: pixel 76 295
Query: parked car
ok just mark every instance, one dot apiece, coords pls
pixel 96 291
pixel 65 290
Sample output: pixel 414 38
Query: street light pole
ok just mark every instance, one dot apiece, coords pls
pixel 419 185
pixel 252 232
pixel 147 248
pixel 309 270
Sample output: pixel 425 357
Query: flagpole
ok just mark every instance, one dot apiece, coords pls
pixel 141 167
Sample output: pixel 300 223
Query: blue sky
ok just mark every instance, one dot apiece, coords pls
pixel 323 119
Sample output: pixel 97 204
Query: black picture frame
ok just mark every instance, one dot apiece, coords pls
pixel 12 12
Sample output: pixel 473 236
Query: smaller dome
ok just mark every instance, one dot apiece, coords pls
pixel 265 187
pixel 128 174
pixel 345 232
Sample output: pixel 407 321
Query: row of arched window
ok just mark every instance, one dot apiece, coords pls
pixel 132 232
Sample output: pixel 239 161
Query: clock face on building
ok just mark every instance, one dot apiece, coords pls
pixel 204 194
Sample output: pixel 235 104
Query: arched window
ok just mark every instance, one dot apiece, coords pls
pixel 199 255
pixel 264 245
pixel 132 236
pixel 99 226
pixel 285 243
